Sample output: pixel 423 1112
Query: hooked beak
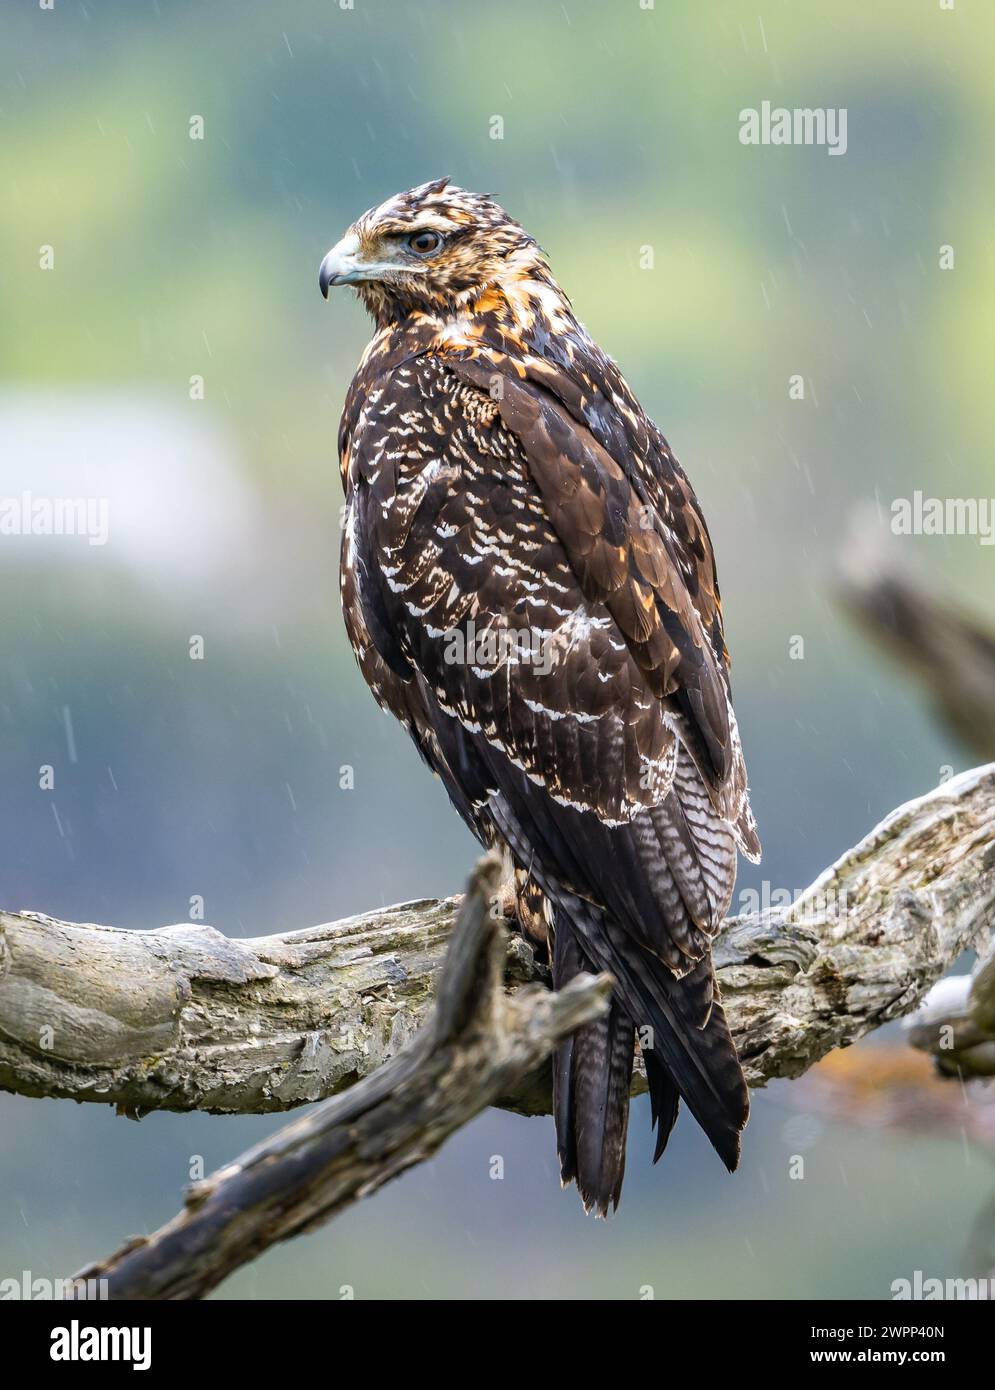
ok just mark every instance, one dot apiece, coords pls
pixel 342 265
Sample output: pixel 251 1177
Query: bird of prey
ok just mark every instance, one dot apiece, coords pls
pixel 529 587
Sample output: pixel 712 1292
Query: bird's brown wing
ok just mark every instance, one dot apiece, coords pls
pixel 635 536
pixel 473 522
pixel 497 521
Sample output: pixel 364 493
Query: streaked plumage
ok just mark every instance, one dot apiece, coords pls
pixel 501 479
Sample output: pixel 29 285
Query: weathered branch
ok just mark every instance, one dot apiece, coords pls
pixel 186 1018
pixel 953 658
pixel 473 1047
pixel 949 653
pixel 956 1022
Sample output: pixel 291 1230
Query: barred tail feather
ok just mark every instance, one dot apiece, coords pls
pixel 678 1020
pixel 700 1060
pixel 684 1038
pixel 592 1074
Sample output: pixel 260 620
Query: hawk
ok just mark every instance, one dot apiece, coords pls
pixel 529 587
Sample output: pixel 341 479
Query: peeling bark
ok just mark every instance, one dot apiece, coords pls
pixel 475 1044
pixel 185 1018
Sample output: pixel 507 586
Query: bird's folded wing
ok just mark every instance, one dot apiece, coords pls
pixel 637 543
pixel 535 611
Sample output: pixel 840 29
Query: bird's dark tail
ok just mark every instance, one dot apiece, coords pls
pixel 685 1044
pixel 592 1073
pixel 678 1022
pixel 689 1053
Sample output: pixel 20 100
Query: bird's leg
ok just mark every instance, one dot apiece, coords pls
pixel 522 902
pixel 529 908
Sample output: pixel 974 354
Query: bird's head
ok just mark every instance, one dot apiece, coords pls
pixel 434 249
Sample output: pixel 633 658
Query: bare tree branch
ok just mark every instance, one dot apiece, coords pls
pixel 865 942
pixel 860 947
pixel 186 1018
pixel 953 657
pixel 956 1022
pixel 950 653
pixel 475 1044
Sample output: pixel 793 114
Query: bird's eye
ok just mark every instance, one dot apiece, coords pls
pixel 424 243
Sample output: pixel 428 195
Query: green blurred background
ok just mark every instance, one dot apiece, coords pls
pixel 176 257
